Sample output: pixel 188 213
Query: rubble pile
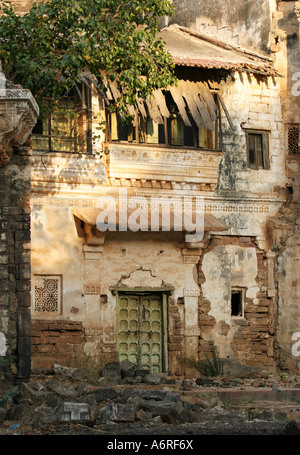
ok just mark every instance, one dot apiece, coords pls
pixel 123 400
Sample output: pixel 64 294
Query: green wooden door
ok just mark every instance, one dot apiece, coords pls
pixel 140 331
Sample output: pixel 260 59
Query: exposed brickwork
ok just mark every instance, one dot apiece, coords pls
pixel 176 339
pixel 56 341
pixel 253 341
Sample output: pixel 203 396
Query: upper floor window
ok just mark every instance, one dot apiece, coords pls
pixel 172 131
pixel 66 126
pixel 258 149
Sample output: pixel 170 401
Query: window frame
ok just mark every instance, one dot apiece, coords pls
pixel 265 152
pixel 166 132
pixel 242 292
pixel 83 108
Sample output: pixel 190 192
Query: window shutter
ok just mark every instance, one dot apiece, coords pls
pixel 177 131
pixel 114 127
pixel 152 132
pixel 266 152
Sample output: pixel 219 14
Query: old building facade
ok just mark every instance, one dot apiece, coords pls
pixel 224 141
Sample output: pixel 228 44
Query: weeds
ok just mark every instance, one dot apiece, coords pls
pixel 209 367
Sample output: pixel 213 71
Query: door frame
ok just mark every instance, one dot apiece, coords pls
pixel 164 293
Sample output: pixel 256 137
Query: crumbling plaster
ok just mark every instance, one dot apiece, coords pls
pixel 224 268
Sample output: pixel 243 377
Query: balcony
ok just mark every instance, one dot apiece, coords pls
pixel 162 167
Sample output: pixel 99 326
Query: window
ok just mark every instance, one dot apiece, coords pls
pixel 47 292
pixel 258 149
pixel 237 302
pixel 172 132
pixel 67 128
pixel 293 139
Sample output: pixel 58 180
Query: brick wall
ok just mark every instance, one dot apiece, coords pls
pixel 56 341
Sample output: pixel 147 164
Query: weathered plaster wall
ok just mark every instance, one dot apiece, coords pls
pixel 21 6
pixel 245 23
pixel 127 259
pixel 285 228
pixel 237 263
pixel 253 103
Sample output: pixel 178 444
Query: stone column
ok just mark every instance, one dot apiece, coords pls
pixel 191 294
pixel 18 114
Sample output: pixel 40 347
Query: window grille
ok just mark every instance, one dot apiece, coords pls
pixel 47 293
pixel 293 140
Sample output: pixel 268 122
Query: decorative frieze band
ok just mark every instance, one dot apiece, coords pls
pixel 214 207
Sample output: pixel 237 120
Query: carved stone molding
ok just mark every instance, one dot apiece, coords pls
pixel 162 166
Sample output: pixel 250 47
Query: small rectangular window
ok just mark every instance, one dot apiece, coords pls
pixel 258 149
pixel 237 303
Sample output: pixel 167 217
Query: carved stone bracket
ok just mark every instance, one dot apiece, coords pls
pixel 18 115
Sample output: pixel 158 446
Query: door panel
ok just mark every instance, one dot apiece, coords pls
pixel 140 331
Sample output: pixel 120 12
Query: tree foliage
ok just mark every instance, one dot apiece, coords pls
pixel 46 49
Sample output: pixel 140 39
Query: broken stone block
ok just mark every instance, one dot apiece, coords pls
pixel 63 370
pixel 75 411
pixel 141 415
pixel 292 428
pixel 154 379
pixel 127 368
pixel 166 410
pixel 117 412
pixel 103 394
pixel 112 371
pixel 2 415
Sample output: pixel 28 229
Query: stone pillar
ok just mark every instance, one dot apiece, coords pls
pixel 191 257
pixel 18 114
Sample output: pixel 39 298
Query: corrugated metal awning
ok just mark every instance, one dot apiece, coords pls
pixel 198 50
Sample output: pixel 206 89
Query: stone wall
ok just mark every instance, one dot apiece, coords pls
pixel 15 284
pixel 56 341
pixel 18 114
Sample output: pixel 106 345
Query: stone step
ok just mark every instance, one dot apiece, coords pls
pixel 233 395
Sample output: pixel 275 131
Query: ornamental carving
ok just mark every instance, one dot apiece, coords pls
pixel 132 163
pixel 18 115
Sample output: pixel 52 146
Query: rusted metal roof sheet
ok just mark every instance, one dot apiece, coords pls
pixel 192 49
